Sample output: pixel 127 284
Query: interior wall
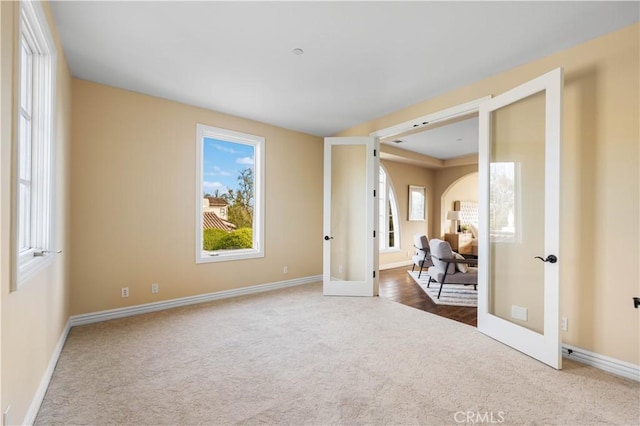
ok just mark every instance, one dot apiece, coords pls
pixel 463 189
pixel 444 179
pixel 35 316
pixel 600 226
pixel 402 175
pixel 133 206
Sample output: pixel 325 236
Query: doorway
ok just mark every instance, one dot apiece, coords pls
pixel 519 168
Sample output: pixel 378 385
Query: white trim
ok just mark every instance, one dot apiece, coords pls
pixel 602 362
pixel 390 250
pixel 429 119
pixel 185 301
pixel 390 206
pixel 395 265
pixel 36 402
pixel 35 27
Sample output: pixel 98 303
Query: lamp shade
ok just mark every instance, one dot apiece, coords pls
pixel 453 215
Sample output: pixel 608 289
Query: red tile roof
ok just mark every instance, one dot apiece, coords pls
pixel 216 201
pixel 210 220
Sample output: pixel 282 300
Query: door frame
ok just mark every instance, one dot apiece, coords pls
pixel 550 193
pixel 451 113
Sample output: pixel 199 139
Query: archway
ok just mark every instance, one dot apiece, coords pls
pixel 464 188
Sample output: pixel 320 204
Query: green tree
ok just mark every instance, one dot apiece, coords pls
pixel 228 196
pixel 217 239
pixel 211 239
pixel 241 207
pixel 238 239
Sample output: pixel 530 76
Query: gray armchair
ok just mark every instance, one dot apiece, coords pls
pixel 422 258
pixel 445 270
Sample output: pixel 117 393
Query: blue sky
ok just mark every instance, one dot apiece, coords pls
pixel 222 163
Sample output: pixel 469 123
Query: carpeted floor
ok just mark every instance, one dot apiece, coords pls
pixel 295 357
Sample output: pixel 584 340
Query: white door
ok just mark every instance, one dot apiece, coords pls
pixel 350 255
pixel 519 169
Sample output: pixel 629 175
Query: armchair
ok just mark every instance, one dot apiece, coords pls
pixel 422 258
pixel 445 269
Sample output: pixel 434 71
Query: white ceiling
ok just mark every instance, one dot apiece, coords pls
pixel 361 60
pixel 445 142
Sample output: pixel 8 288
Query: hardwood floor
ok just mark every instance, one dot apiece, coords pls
pixel 397 285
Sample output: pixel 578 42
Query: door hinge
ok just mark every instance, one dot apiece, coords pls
pixel 374 193
pixel 374 274
pixel 374 152
pixel 374 234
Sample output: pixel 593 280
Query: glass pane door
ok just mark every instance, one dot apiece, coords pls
pixel 350 214
pixel 519 171
pixel 516 212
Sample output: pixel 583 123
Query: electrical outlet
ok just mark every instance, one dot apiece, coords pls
pixel 124 292
pixel 564 325
pixel 6 419
pixel 285 269
pixel 154 288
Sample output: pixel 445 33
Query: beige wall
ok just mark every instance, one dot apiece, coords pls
pixel 463 189
pixel 600 184
pixel 34 317
pixel 402 175
pixel 444 179
pixel 131 151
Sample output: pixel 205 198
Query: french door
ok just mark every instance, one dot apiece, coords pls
pixel 519 171
pixel 350 255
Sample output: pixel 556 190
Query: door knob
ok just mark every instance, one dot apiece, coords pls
pixel 327 238
pixel 551 258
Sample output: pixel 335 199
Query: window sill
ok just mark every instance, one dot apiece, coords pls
pixel 210 256
pixel 29 268
pixel 390 250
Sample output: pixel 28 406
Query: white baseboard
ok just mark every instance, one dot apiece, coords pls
pixel 603 362
pixel 395 265
pixel 184 301
pixel 36 402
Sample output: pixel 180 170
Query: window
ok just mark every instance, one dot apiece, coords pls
pixel 35 144
pixel 504 202
pixel 230 176
pixel 417 200
pixel 388 214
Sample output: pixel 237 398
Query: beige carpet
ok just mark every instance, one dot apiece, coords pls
pixel 295 357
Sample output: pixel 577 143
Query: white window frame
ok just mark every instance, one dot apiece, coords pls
pixel 33 231
pixel 258 143
pixel 387 197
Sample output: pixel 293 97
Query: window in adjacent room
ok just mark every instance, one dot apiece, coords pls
pixel 230 188
pixel 388 214
pixel 504 202
pixel 35 143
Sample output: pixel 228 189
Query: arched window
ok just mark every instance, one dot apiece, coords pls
pixel 388 226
